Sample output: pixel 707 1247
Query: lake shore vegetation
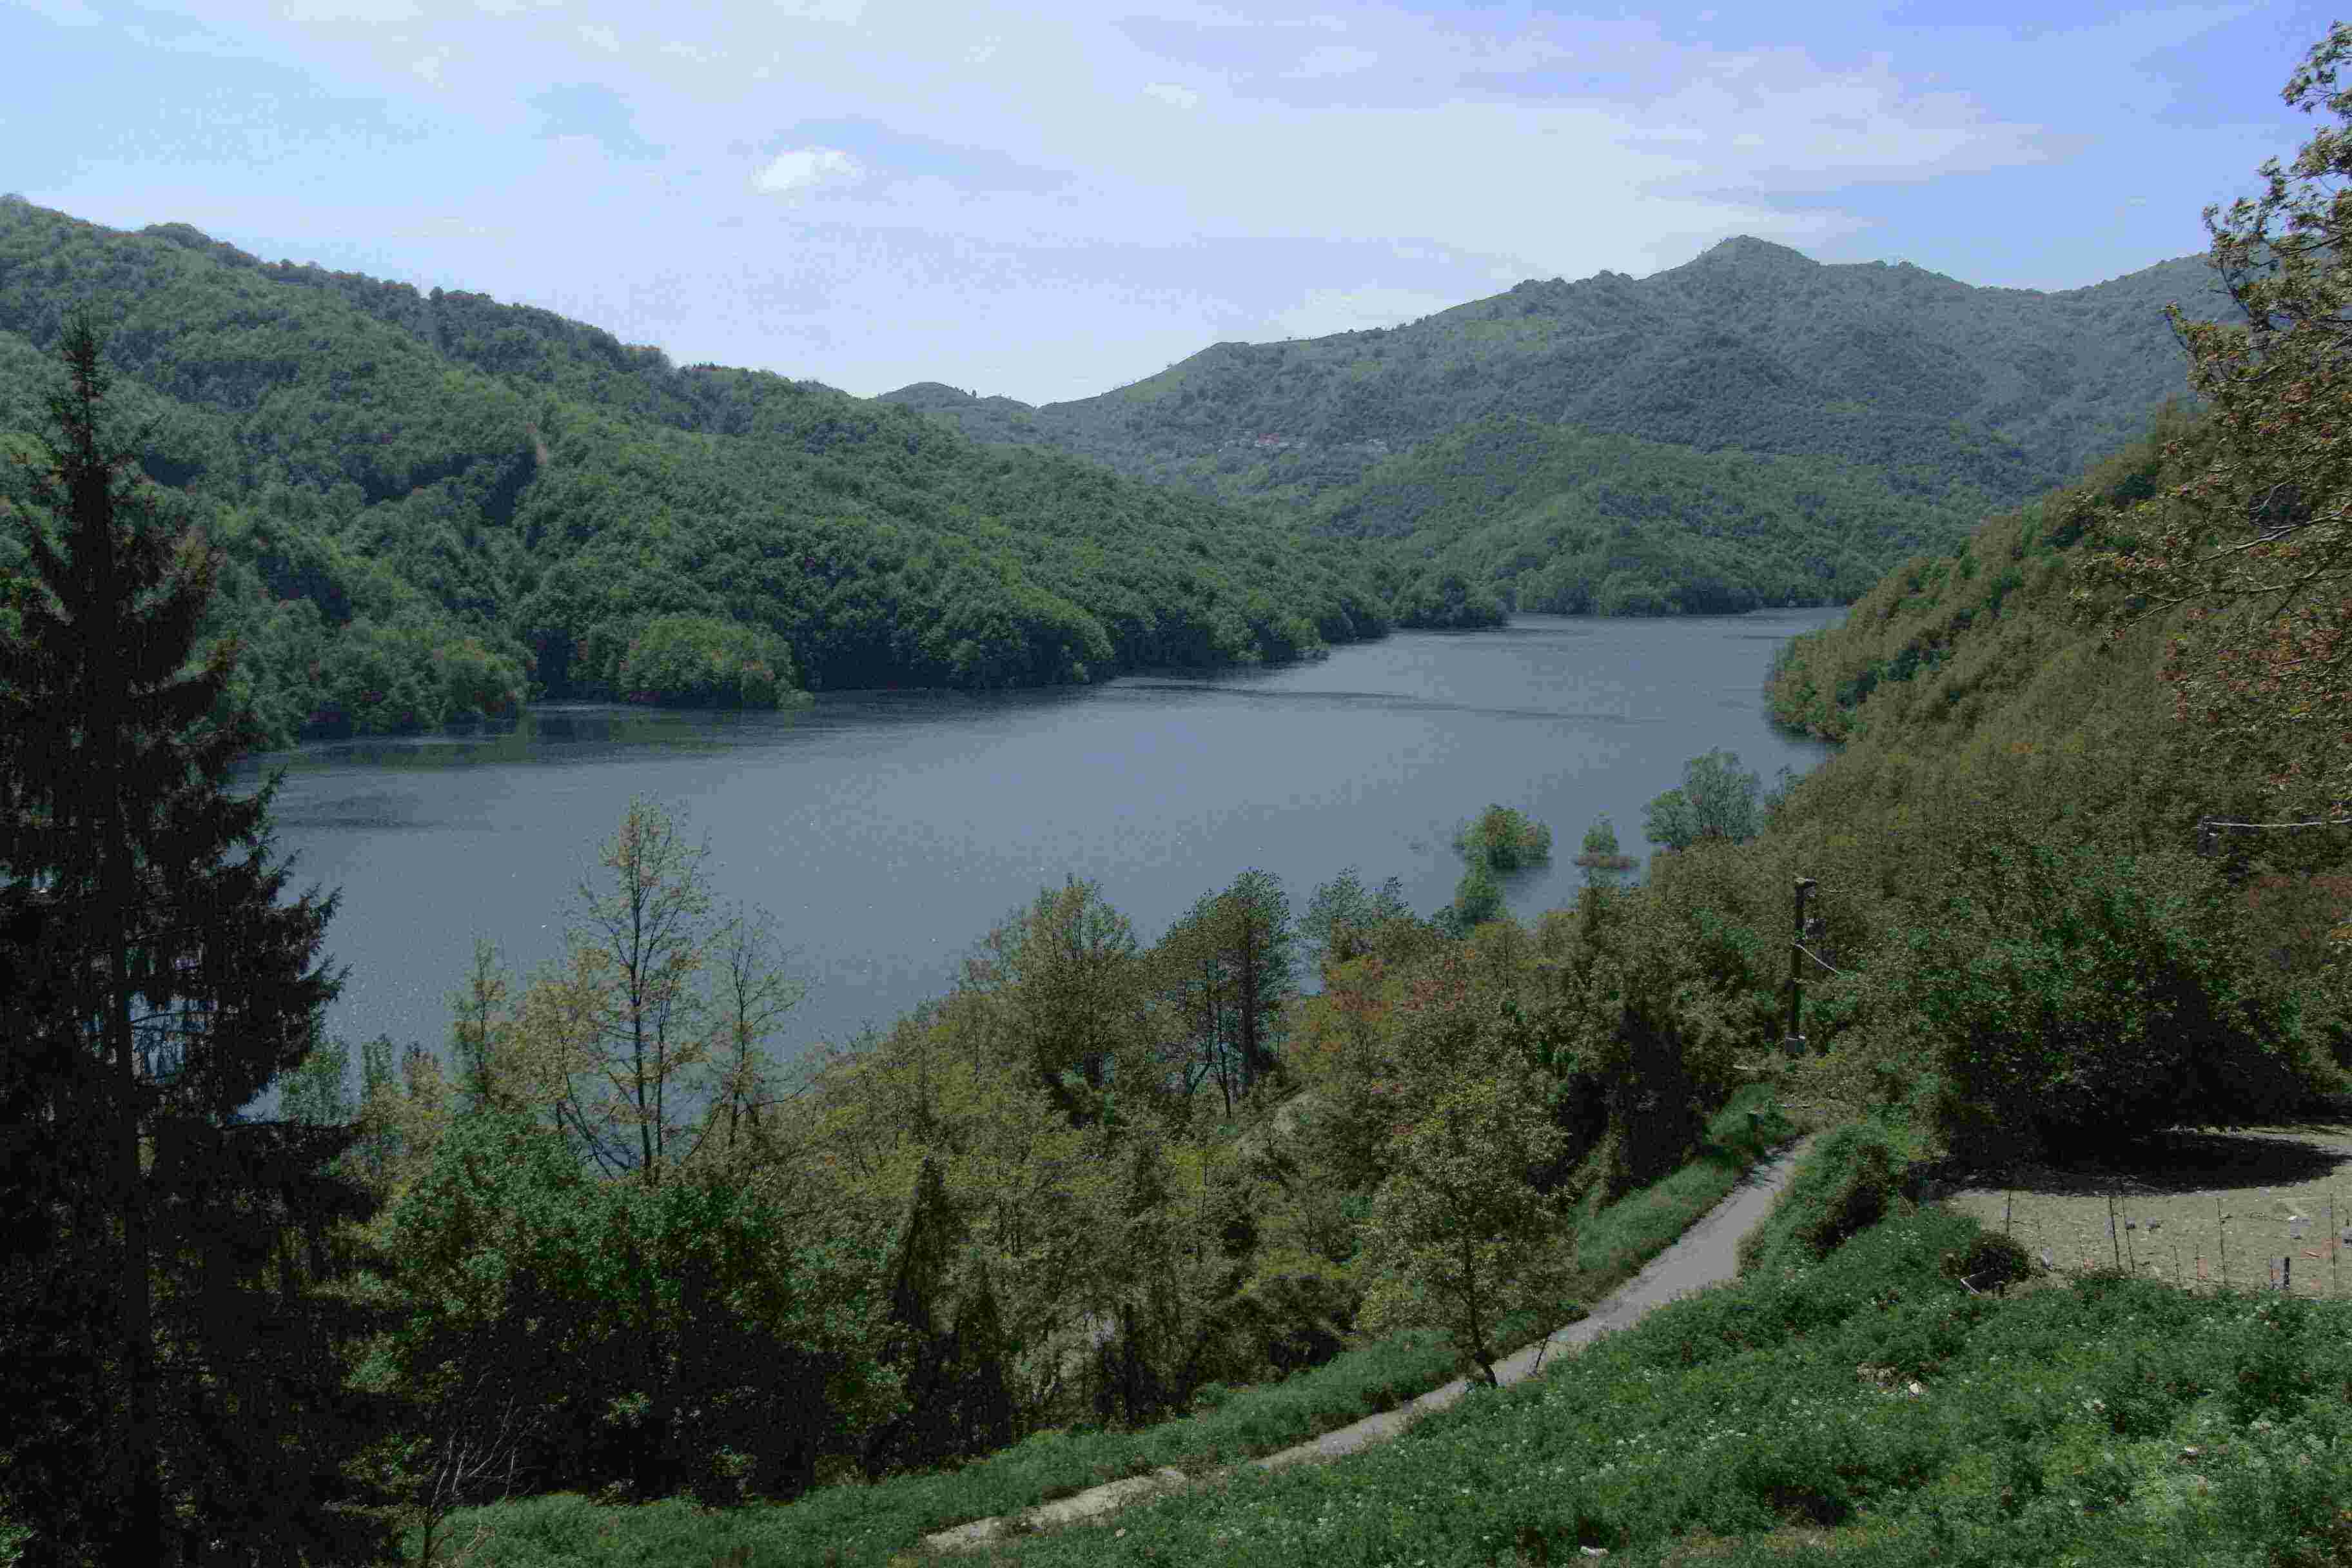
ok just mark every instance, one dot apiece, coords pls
pixel 614 1283
pixel 432 508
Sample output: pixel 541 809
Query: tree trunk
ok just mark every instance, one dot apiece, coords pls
pixel 140 1539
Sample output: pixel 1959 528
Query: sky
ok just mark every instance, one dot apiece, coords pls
pixel 1051 199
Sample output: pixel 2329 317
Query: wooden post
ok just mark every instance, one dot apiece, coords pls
pixel 1797 967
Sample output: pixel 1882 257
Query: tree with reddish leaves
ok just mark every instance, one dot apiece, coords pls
pixel 2250 544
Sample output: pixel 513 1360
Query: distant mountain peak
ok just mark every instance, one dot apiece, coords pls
pixel 1747 248
pixel 929 391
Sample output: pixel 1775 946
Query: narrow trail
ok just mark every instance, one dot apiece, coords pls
pixel 1707 1254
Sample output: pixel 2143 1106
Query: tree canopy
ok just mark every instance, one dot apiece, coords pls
pixel 433 508
pixel 2251 538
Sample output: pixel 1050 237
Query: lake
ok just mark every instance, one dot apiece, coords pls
pixel 889 831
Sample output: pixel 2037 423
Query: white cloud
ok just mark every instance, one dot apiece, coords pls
pixel 67 13
pixel 367 11
pixel 847 13
pixel 678 48
pixel 1333 172
pixel 803 168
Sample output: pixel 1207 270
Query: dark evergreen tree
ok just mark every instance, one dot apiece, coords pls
pixel 948 1338
pixel 172 988
pixel 1264 966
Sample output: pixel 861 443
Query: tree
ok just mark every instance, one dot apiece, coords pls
pixel 482 1032
pixel 318 1092
pixel 946 1340
pixel 1462 1239
pixel 178 988
pixel 754 996
pixel 1342 913
pixel 1066 967
pixel 1229 968
pixel 1504 839
pixel 622 1010
pixel 1477 898
pixel 1715 801
pixel 2084 997
pixel 2254 545
pixel 1604 863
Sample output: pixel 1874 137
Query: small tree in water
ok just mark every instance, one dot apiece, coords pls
pixel 1602 860
pixel 1715 801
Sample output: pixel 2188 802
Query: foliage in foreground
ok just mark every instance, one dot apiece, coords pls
pixel 1870 1395
pixel 870 1525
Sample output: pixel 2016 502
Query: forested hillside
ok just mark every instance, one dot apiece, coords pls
pixel 1788 430
pixel 436 507
pixel 1556 519
pixel 1752 346
pixel 617 1286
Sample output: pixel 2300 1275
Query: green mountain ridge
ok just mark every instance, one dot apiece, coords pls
pixel 1752 345
pixel 1800 427
pixel 434 506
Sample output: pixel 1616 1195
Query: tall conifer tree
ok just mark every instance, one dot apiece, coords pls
pixel 176 989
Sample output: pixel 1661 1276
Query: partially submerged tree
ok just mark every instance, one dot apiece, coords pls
pixel 1715 800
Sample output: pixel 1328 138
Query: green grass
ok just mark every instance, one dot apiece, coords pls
pixel 855 1524
pixel 2108 1421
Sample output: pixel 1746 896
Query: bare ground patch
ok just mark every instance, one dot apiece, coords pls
pixel 2201 1209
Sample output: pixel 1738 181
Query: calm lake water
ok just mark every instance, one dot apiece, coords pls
pixel 887 832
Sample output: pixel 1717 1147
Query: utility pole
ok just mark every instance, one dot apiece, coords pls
pixel 1795 1042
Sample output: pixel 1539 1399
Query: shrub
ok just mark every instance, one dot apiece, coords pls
pixel 1504 840
pixel 1992 1261
pixel 1851 1179
pixel 2075 996
pixel 703 661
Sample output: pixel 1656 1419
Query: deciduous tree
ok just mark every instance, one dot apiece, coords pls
pixel 1461 1239
pixel 2255 546
pixel 1715 800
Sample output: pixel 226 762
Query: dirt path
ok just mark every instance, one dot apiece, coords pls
pixel 1707 1254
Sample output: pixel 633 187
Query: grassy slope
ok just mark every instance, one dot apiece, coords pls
pixel 1863 1404
pixel 1858 1402
pixel 873 1524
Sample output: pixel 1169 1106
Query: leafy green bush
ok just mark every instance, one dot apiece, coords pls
pixel 1715 800
pixel 1504 839
pixel 1854 1170
pixel 1993 1261
pixel 2075 996
pixel 702 661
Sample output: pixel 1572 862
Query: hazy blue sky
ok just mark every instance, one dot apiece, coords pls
pixel 1052 198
